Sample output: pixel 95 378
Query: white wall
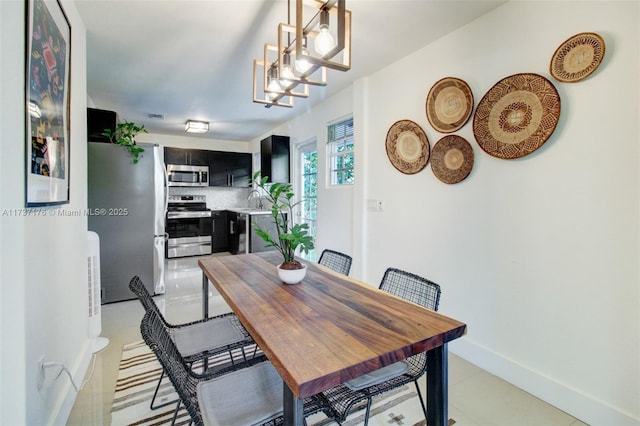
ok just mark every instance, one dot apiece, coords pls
pixel 43 261
pixel 539 256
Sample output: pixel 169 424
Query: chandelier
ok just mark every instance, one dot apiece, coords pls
pixel 303 54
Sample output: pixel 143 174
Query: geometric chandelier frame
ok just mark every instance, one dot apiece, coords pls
pixel 277 79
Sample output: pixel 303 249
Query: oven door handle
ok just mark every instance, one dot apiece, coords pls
pixel 187 215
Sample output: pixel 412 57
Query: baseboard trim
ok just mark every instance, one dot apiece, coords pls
pixel 61 413
pixel 572 401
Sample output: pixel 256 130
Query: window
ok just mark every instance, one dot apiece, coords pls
pixel 340 147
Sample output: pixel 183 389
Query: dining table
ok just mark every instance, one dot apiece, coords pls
pixel 330 328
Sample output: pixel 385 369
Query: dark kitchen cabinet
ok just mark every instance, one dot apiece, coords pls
pixel 274 158
pixel 237 224
pixel 220 233
pixel 99 120
pixel 232 169
pixel 189 157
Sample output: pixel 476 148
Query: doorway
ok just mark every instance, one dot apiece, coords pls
pixel 307 167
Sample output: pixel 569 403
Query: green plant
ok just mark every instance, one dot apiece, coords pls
pixel 124 136
pixel 290 236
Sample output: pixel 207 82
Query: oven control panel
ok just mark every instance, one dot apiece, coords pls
pixel 187 199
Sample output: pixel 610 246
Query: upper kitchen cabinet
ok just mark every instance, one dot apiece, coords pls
pixel 98 121
pixel 190 157
pixel 232 169
pixel 274 158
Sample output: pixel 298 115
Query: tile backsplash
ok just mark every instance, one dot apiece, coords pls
pixel 218 198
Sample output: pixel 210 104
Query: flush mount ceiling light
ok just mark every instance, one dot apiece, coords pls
pixel 193 126
pixel 294 63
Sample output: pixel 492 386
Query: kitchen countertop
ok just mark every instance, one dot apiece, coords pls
pixel 248 210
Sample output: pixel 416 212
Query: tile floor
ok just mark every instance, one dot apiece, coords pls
pixel 475 396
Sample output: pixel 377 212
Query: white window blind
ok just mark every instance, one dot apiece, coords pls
pixel 340 146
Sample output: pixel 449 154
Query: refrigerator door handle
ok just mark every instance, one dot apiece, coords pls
pixel 166 188
pixel 159 246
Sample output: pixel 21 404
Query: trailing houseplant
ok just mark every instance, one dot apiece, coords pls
pixel 124 135
pixel 290 236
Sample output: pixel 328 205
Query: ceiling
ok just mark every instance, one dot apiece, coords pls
pixel 193 59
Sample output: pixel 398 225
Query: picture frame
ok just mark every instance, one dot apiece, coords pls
pixel 48 68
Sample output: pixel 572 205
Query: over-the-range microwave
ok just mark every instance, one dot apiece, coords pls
pixel 184 175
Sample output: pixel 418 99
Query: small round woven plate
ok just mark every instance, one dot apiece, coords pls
pixel 516 116
pixel 452 159
pixel 449 104
pixel 407 147
pixel 577 58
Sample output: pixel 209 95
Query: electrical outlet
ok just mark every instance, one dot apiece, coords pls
pixel 41 375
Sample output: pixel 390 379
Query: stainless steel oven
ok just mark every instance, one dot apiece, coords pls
pixel 183 175
pixel 189 226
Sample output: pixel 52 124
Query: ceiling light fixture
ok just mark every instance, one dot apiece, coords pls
pixel 193 126
pixel 290 64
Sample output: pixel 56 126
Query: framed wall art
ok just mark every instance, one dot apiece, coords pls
pixel 47 103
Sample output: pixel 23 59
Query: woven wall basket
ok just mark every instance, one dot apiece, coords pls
pixel 407 147
pixel 577 57
pixel 516 116
pixel 452 159
pixel 449 104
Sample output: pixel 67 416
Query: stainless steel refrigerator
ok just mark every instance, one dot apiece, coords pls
pixel 127 208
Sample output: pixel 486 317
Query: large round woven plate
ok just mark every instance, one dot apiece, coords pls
pixel 577 58
pixel 449 104
pixel 516 116
pixel 452 159
pixel 407 147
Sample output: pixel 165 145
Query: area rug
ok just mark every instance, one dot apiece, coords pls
pixel 139 372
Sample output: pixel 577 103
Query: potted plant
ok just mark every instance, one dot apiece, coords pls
pixel 124 136
pixel 290 236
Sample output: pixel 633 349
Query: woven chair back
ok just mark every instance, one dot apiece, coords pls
pixel 159 341
pixel 137 287
pixel 336 261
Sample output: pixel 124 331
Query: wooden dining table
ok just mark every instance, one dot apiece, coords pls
pixel 330 328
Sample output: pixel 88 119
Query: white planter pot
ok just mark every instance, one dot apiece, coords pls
pixel 292 276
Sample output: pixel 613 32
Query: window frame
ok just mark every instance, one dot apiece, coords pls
pixel 340 146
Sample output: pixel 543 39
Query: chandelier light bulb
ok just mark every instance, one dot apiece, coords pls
pixel 274 84
pixel 302 65
pixel 287 77
pixel 324 42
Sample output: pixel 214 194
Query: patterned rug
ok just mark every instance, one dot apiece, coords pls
pixel 139 372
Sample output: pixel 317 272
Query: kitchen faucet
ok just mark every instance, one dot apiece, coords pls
pixel 259 197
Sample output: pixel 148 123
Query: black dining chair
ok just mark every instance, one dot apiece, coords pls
pixel 202 339
pixel 342 398
pixel 336 261
pixel 249 396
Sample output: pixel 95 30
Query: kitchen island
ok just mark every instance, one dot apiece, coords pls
pixel 242 225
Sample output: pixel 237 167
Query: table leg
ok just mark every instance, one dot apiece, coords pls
pixel 205 296
pixel 437 387
pixel 293 408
